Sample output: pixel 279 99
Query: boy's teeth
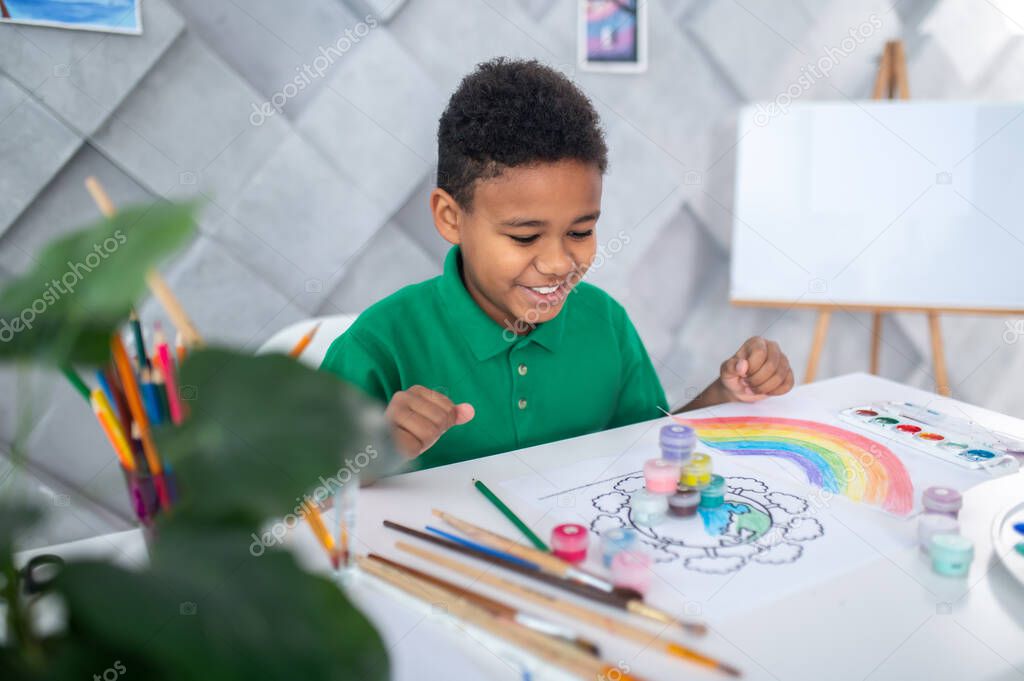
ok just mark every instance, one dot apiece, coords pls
pixel 544 290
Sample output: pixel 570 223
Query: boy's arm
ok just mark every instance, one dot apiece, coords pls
pixel 757 370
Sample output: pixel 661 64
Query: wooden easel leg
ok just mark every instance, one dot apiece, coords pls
pixel 820 331
pixel 876 341
pixel 938 355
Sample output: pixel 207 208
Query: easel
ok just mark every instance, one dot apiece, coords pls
pixel 891 83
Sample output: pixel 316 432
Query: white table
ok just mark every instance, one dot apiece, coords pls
pixel 893 618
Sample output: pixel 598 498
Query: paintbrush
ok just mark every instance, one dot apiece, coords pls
pixel 545 561
pixel 554 651
pixel 624 601
pixel 498 608
pixel 579 613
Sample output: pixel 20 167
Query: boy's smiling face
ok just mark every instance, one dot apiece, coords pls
pixel 527 240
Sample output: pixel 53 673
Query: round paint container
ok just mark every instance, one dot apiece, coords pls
pixel 616 540
pixel 684 502
pixel 647 509
pixel 931 524
pixel 714 494
pixel 944 500
pixel 696 472
pixel 951 554
pixel 661 475
pixel 866 412
pixel 677 442
pixel 908 428
pixel 569 542
pixel 632 570
pixel 930 437
pixel 885 420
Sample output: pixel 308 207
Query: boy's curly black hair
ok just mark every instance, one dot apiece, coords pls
pixel 511 113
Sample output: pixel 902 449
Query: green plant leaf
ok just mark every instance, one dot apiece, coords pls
pixel 263 431
pixel 83 285
pixel 208 609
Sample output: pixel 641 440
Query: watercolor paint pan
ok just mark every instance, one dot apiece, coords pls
pixel 942 439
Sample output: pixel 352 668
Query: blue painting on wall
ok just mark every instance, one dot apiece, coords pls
pixel 112 16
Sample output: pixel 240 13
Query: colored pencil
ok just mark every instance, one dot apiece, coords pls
pixel 316 523
pixel 482 549
pixel 614 598
pixel 76 381
pixel 134 398
pixel 179 349
pixel 157 286
pixel 546 561
pixel 299 347
pixel 551 650
pixel 512 517
pixel 140 344
pixel 163 355
pixel 577 612
pixel 112 429
pixel 497 607
pixel 150 399
pixel 108 379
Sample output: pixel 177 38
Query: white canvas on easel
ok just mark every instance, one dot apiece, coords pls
pixel 882 204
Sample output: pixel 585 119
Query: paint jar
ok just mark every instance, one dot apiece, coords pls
pixel 944 500
pixel 632 570
pixel 661 475
pixel 615 540
pixel 696 472
pixel 569 542
pixel 647 509
pixel 714 493
pixel 931 524
pixel 684 502
pixel 951 554
pixel 677 442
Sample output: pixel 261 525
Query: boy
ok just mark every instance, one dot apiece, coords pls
pixel 508 348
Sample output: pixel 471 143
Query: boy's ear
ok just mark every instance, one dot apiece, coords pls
pixel 447 215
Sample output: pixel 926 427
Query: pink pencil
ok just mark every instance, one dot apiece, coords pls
pixel 163 353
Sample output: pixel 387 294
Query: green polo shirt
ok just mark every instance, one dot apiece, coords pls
pixel 584 371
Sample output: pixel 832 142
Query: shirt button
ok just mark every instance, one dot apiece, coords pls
pixel 522 369
pixel 522 403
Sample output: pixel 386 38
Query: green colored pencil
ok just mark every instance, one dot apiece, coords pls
pixel 75 380
pixel 507 512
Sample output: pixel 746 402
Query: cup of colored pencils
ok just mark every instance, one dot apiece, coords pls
pixel 135 392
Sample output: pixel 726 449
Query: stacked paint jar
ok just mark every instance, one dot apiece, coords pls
pixel 696 472
pixel 938 530
pixel 677 442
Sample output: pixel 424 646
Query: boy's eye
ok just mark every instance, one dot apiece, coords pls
pixel 581 235
pixel 524 239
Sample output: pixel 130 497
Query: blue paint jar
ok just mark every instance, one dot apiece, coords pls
pixel 616 540
pixel 677 442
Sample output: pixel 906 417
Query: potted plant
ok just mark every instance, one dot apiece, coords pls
pixel 261 432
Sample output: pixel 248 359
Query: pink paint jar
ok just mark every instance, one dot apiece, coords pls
pixel 632 570
pixel 569 542
pixel 661 475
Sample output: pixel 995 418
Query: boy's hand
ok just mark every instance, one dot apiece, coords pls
pixel 757 370
pixel 419 416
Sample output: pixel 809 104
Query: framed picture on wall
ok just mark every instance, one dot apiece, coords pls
pixel 108 16
pixel 612 35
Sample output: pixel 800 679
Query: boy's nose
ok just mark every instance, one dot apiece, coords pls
pixel 555 261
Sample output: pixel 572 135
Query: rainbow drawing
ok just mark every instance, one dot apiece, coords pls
pixel 833 459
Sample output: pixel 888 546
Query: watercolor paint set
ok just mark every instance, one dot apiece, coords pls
pixel 952 439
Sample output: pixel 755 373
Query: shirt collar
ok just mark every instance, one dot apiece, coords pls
pixel 486 337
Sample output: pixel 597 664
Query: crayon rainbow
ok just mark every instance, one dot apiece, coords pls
pixel 833 459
